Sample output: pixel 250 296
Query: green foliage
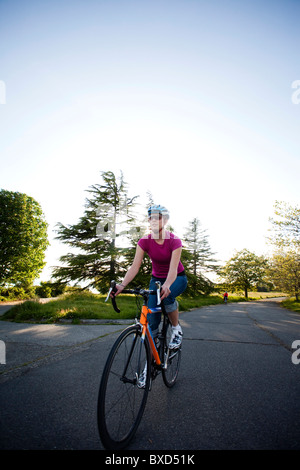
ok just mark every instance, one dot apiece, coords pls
pixel 244 271
pixel 16 293
pixel 197 259
pixel 291 304
pixel 23 239
pixel 285 236
pixel 144 275
pixel 50 289
pixel 285 232
pixel 44 290
pixel 285 272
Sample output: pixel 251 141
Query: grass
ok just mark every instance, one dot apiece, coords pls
pixel 291 304
pixel 71 307
pixel 76 307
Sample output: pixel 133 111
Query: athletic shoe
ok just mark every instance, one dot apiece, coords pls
pixel 176 338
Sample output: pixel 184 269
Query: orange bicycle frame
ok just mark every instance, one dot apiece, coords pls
pixel 146 331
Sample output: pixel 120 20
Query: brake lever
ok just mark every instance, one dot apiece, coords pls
pixel 113 299
pixel 158 285
pixel 108 295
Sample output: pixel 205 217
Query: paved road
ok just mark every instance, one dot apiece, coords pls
pixel 237 388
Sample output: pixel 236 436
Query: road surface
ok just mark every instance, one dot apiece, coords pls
pixel 237 387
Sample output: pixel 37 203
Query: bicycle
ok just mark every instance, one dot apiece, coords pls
pixel 122 398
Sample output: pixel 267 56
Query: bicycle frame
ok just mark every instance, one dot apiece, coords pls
pixel 146 331
pixel 144 312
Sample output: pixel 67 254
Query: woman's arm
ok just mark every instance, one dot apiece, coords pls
pixel 132 271
pixel 172 274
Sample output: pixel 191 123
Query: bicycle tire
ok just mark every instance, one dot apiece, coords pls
pixel 171 368
pixel 120 402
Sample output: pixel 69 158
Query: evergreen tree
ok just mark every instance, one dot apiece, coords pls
pixel 198 258
pixel 143 277
pixel 96 238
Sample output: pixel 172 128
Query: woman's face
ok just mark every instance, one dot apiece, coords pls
pixel 157 222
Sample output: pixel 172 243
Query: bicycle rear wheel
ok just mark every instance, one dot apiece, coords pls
pixel 121 402
pixel 172 358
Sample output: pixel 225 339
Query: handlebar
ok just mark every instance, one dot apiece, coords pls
pixel 138 291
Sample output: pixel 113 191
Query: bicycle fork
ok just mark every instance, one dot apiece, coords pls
pixel 124 378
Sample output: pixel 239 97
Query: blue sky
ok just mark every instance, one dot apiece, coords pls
pixel 192 100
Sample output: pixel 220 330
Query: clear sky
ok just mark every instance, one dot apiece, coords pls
pixel 192 100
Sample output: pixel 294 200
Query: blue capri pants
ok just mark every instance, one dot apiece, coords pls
pixel 170 302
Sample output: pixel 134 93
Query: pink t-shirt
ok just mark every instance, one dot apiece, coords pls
pixel 160 255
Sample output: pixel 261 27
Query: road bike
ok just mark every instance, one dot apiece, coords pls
pixel 123 394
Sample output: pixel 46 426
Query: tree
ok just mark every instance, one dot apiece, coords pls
pixel 198 258
pixel 285 236
pixel 23 239
pixel 108 217
pixel 244 270
pixel 285 272
pixel 144 275
pixel 286 227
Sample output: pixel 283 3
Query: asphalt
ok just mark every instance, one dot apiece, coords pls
pixel 28 344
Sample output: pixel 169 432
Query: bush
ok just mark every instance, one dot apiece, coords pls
pixel 50 289
pixel 16 293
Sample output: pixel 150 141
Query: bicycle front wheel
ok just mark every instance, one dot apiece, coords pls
pixel 121 400
pixel 172 358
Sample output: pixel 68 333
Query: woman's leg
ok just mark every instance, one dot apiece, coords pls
pixel 171 306
pixel 174 317
pixel 153 318
pixel 170 303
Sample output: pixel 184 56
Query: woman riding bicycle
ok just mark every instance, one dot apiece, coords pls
pixel 164 249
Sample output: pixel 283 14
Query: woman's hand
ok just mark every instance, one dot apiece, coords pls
pixel 165 291
pixel 119 288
